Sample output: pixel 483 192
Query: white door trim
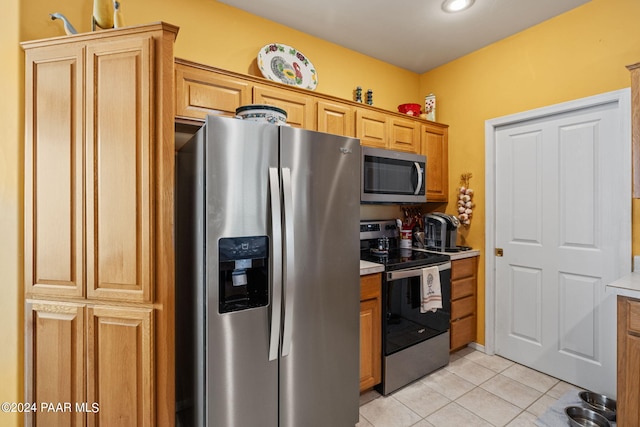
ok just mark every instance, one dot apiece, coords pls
pixel 622 97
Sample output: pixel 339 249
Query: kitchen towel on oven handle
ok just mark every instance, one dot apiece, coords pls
pixel 430 292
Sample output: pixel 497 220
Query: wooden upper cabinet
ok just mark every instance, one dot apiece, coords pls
pixel 435 146
pixel 405 135
pixel 54 262
pixel 200 92
pixel 201 89
pixel 299 108
pixel 372 128
pixel 335 118
pixel 118 169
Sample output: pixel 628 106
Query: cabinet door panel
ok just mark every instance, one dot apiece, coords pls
pixel 465 267
pixel 463 307
pixel 463 332
pixel 200 92
pixel 299 108
pixel 463 287
pixel 55 362
pixel 435 146
pixel 370 356
pixel 120 366
pixel 371 128
pixel 118 170
pixel 634 316
pixel 370 330
pixel 53 173
pixel 630 412
pixel 370 286
pixel 335 118
pixel 405 135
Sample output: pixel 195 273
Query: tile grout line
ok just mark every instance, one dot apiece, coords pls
pixel 494 373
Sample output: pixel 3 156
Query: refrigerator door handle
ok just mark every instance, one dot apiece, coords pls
pixel 289 254
pixel 276 238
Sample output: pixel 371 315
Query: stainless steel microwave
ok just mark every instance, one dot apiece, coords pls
pixel 389 176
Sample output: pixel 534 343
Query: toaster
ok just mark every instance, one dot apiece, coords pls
pixel 441 231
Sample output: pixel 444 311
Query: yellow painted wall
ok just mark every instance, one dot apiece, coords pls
pixel 10 212
pixel 215 34
pixel 578 54
pixel 211 33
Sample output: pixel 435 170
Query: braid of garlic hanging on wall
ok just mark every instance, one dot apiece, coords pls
pixel 465 200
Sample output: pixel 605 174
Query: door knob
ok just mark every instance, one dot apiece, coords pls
pixel 499 252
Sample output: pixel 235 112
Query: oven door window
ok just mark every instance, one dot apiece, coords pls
pixel 403 324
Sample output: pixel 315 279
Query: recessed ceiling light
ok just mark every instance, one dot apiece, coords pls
pixel 456 5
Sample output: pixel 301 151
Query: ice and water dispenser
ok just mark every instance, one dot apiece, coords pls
pixel 244 273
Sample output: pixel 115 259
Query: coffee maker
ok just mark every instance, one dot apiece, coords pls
pixel 441 232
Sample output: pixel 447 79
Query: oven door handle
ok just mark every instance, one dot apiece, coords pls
pixel 413 272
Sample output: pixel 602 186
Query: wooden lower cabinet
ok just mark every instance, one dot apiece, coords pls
pixel 370 331
pixel 120 370
pixel 54 359
pixel 464 279
pixel 110 384
pixel 628 388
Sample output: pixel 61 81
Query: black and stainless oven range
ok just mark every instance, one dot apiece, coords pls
pixel 414 344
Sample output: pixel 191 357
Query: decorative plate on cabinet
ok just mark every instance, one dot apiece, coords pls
pixel 285 64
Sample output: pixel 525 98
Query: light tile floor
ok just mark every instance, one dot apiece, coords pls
pixel 474 390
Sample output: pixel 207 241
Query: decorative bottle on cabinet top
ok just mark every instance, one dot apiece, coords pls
pixel 430 107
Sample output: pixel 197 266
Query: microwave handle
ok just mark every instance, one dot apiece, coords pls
pixel 419 170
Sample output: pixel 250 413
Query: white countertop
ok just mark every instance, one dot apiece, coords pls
pixel 627 286
pixel 463 254
pixel 367 267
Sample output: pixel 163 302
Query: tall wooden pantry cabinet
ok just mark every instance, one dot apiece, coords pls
pixel 99 262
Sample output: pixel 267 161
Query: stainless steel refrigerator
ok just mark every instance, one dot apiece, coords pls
pixel 267 277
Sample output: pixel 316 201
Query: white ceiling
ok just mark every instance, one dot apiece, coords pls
pixel 412 34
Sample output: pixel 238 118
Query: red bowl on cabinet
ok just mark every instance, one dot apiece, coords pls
pixel 409 109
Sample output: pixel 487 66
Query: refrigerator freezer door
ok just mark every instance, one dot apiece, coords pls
pixel 319 376
pixel 241 381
